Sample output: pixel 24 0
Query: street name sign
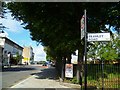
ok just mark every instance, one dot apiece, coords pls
pixel 98 37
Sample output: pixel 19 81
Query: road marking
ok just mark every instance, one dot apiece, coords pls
pixel 21 82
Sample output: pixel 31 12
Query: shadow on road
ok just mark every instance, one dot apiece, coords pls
pixel 17 69
pixel 49 73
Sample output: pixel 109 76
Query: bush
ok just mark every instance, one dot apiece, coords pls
pixel 74 80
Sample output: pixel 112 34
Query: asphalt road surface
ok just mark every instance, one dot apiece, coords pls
pixel 13 75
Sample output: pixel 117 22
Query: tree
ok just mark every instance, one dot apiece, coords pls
pixel 56 25
pixel 49 19
pixel 108 51
pixel 50 54
pixel 16 59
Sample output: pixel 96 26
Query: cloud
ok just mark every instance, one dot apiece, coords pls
pixel 12 25
pixel 39 53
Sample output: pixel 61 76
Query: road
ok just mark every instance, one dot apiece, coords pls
pixel 11 76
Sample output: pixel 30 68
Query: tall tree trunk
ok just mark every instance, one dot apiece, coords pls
pixel 58 65
pixel 69 59
pixel 63 68
pixel 80 67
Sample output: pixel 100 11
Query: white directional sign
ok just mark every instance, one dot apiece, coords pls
pixel 74 59
pixel 98 37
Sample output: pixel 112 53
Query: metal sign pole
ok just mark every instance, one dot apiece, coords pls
pixel 85 53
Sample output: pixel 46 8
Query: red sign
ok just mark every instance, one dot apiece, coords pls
pixel 82 26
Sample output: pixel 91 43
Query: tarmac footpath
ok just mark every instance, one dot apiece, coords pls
pixel 33 82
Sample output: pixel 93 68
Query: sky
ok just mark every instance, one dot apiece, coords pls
pixel 19 35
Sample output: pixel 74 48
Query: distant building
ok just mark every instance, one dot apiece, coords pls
pixel 8 46
pixel 28 55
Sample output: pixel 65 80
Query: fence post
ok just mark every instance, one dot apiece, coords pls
pixel 102 74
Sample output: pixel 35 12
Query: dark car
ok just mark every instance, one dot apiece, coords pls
pixel 45 64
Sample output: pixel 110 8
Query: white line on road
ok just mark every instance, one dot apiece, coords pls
pixel 14 86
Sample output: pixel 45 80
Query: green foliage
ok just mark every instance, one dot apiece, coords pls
pixel 106 50
pixel 71 80
pixel 50 54
pixel 57 25
pixel 17 58
pixel 110 51
pixel 74 80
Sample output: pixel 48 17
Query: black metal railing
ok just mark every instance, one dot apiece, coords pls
pixel 103 76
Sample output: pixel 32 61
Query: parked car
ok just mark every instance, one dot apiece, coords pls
pixel 45 64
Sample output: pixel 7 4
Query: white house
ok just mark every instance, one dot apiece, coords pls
pixel 8 46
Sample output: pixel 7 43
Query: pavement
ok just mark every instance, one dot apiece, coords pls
pixel 33 82
pixel 43 79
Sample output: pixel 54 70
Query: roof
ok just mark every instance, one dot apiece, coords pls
pixel 7 40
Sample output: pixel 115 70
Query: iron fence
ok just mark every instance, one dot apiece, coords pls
pixel 105 76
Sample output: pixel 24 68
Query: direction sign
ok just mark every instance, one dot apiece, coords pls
pixel 82 26
pixel 98 37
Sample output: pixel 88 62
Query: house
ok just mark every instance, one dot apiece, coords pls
pixel 9 47
pixel 28 55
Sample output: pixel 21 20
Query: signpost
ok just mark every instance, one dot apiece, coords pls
pixel 85 52
pixel 91 37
